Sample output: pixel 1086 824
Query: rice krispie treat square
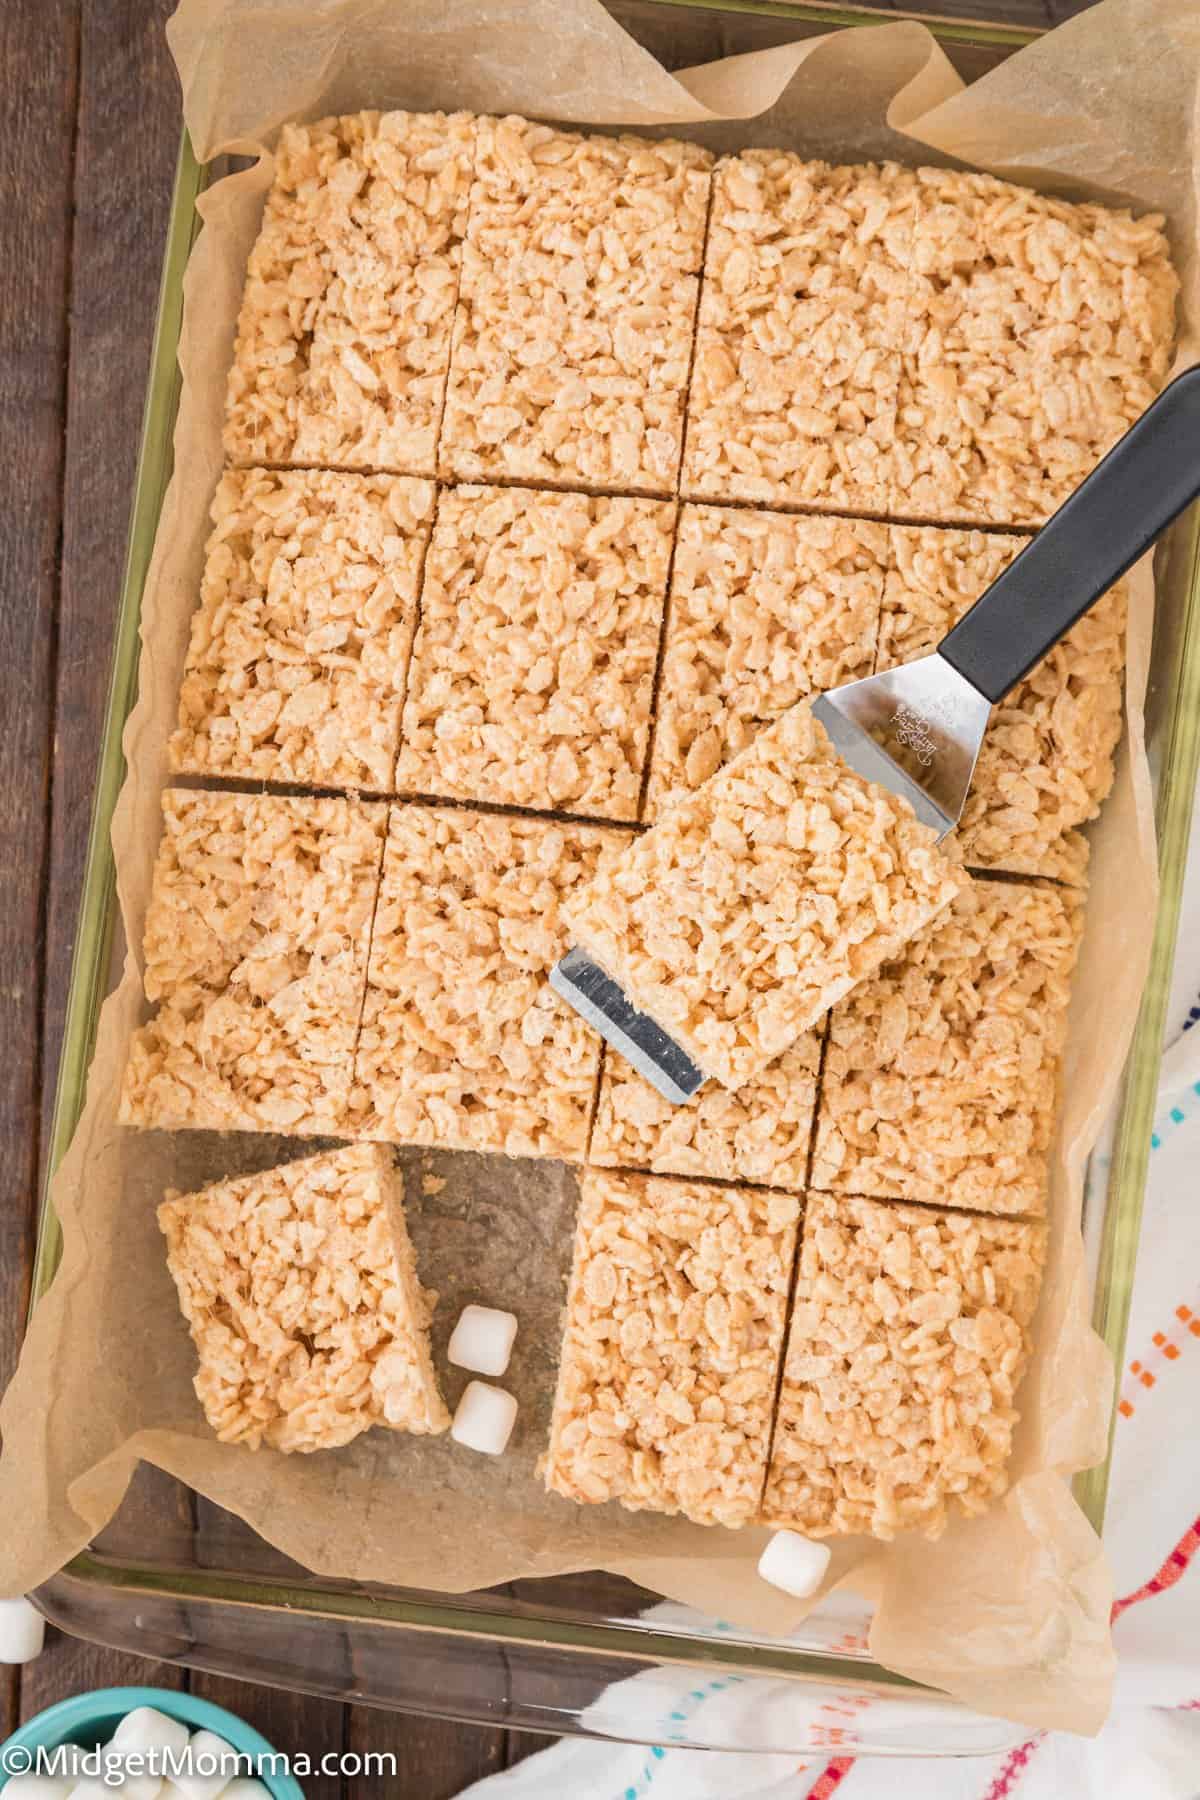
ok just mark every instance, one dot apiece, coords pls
pixel 1045 331
pixel 1046 763
pixel 941 1070
pixel 300 1290
pixel 804 317
pixel 300 647
pixel 760 1134
pixel 574 329
pixel 675 1320
pixel 464 1045
pixel 765 609
pixel 256 959
pixel 756 902
pixel 908 1340
pixel 533 669
pixel 343 338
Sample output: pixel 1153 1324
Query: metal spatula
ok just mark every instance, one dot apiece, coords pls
pixel 918 729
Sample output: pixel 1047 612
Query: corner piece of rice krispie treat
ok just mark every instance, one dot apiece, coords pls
pixel 670 1356
pixel 1046 762
pixel 343 339
pixel 765 609
pixel 256 960
pixel 573 333
pixel 908 1339
pixel 941 1070
pixel 300 1290
pixel 803 318
pixel 464 1045
pixel 758 901
pixel 299 650
pixel 533 668
pixel 1042 330
pixel 761 1133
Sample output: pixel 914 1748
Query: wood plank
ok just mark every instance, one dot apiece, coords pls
pixel 433 1758
pixel 290 1722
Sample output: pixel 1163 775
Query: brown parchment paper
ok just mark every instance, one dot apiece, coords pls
pixel 1008 1612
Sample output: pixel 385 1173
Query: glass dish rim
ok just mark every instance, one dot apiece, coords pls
pixel 96 919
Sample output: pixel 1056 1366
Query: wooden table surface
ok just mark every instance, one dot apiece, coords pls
pixel 89 124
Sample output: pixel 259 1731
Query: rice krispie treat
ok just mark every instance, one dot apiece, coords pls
pixel 301 1293
pixel 908 1340
pixel 574 330
pixel 343 338
pixel 803 319
pixel 765 609
pixel 762 898
pixel 1047 757
pixel 761 1133
pixel 464 1045
pixel 1045 331
pixel 256 959
pixel 941 1070
pixel 675 1320
pixel 300 647
pixel 533 669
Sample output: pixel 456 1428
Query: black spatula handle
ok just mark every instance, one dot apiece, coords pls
pixel 1143 483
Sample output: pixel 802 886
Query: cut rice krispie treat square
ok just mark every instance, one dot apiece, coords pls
pixel 1045 330
pixel 803 320
pixel 941 1070
pixel 300 1290
pixel 533 669
pixel 908 1340
pixel 464 1045
pixel 1047 758
pixel 300 647
pixel 343 339
pixel 765 609
pixel 675 1320
pixel 574 330
pixel 256 959
pixel 760 1134
pixel 762 898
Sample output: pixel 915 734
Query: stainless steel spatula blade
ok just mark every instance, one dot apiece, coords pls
pixel 917 729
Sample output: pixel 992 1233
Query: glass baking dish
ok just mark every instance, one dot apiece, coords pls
pixel 176 1578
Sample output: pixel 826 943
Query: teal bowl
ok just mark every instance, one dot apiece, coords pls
pixel 91 1719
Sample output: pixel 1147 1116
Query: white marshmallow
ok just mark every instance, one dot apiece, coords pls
pixel 37 1787
pixel 484 1419
pixel 214 1766
pixel 794 1563
pixel 244 1788
pixel 483 1339
pixel 22 1631
pixel 145 1729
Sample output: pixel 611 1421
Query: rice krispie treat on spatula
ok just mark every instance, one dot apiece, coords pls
pixel 301 1292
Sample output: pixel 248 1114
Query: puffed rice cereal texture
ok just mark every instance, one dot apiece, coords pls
pixel 300 647
pixel 675 1320
pixel 766 609
pixel 255 959
pixel 1046 763
pixel 574 331
pixel 761 1133
pixel 908 1339
pixel 941 1070
pixel 343 340
pixel 758 901
pixel 464 1045
pixel 1044 330
pixel 533 670
pixel 300 1290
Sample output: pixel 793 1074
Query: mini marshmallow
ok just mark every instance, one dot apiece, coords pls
pixel 483 1339
pixel 145 1729
pixel 244 1788
pixel 794 1564
pixel 213 1766
pixel 36 1787
pixel 485 1418
pixel 22 1631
